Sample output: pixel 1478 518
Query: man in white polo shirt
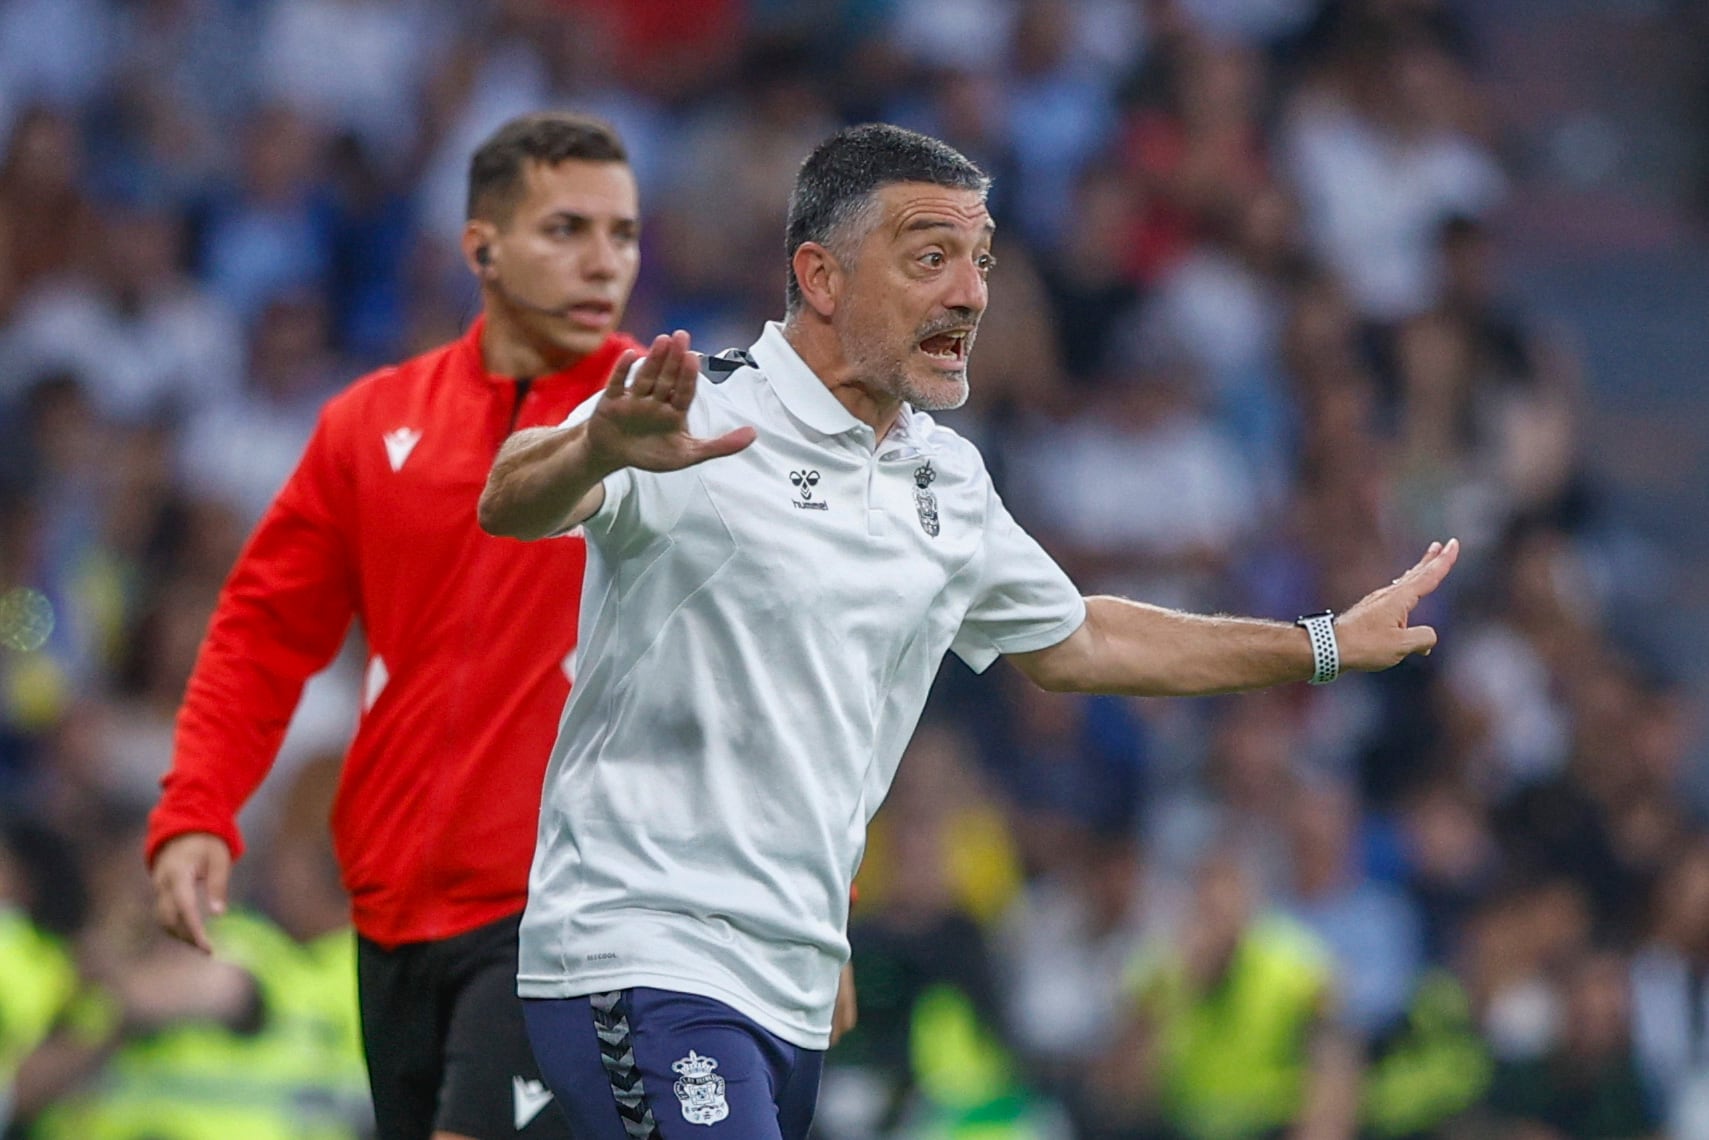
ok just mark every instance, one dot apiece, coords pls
pixel 781 551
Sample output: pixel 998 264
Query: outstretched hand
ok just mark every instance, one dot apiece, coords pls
pixel 1374 633
pixel 642 420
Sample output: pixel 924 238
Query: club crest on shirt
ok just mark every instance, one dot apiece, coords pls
pixel 924 501
pixel 700 1090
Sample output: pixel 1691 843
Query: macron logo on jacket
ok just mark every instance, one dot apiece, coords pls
pixel 399 443
pixel 528 1098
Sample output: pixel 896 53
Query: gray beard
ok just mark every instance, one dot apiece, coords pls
pixel 942 397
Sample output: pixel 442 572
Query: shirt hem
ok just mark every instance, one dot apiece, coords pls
pixel 380 925
pixel 796 1033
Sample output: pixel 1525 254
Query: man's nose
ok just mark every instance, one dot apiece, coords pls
pixel 967 289
pixel 603 259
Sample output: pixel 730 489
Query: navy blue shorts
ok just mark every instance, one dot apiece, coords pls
pixel 647 1064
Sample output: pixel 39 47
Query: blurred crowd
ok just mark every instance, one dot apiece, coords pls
pixel 1250 348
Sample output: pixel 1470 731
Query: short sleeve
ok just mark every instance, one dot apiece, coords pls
pixel 638 504
pixel 1022 600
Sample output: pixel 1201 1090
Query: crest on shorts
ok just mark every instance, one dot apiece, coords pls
pixel 700 1090
pixel 924 501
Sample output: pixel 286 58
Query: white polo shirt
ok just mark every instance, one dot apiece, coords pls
pixel 758 637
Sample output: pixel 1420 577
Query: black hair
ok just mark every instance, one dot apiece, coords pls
pixel 550 137
pixel 837 181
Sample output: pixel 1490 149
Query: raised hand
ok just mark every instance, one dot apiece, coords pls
pixel 1374 633
pixel 642 420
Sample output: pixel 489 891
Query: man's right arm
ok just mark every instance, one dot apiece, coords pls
pixel 543 482
pixel 281 616
pixel 546 480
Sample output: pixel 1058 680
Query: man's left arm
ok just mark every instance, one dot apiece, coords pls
pixel 1142 650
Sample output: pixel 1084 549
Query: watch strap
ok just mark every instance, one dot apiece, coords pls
pixel 1325 650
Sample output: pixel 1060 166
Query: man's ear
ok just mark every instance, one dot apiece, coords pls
pixel 820 275
pixel 477 236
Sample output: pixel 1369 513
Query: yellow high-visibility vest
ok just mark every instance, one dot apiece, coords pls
pixel 1234 1058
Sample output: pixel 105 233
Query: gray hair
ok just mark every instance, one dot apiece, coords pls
pixel 833 200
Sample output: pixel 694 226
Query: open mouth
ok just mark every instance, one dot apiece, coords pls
pixel 947 348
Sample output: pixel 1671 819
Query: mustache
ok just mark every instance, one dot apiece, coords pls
pixel 950 322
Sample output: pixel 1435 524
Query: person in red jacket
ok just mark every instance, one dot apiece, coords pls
pixel 469 638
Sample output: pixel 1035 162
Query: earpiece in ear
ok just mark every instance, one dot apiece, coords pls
pixel 483 255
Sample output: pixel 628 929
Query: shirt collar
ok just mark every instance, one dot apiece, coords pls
pixel 905 432
pixel 800 389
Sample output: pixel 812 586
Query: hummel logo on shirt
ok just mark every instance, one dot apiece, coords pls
pixel 804 482
pixel 399 443
pixel 528 1098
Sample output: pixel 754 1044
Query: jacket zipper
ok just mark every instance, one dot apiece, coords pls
pixel 522 387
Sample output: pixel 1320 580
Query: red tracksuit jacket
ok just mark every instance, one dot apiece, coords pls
pixel 469 640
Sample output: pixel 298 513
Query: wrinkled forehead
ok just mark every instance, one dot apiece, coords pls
pixel 907 208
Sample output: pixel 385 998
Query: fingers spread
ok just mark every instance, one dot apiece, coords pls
pixel 647 376
pixel 682 393
pixel 1428 574
pixel 680 368
pixel 1423 563
pixel 619 377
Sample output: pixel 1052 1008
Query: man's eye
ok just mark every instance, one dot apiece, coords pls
pixel 933 259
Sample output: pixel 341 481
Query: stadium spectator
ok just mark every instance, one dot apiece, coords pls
pixel 135 330
pixel 1380 160
pixel 1064 951
pixel 1369 928
pixel 242 448
pixel 1589 1085
pixel 1233 1028
pixel 266 233
pixel 47 223
pixel 1669 1005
